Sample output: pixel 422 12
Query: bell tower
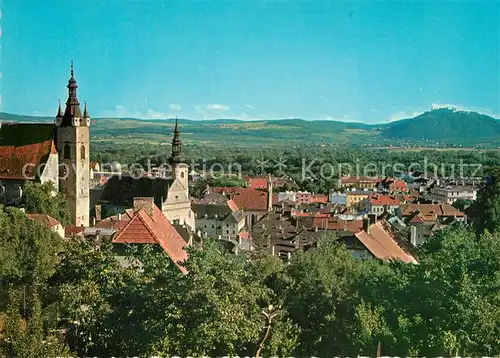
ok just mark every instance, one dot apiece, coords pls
pixel 72 138
pixel 177 160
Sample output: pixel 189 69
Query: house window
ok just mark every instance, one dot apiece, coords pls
pixel 227 232
pixel 82 152
pixel 67 151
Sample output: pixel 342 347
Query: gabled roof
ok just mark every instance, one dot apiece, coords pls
pixel 246 198
pixel 257 182
pixel 70 231
pixel 156 229
pixel 383 200
pixel 319 198
pixel 24 145
pixel 381 241
pixel 431 210
pixel 44 219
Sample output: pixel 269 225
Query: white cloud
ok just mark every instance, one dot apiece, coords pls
pixel 121 112
pixel 249 106
pixel 175 107
pixel 217 107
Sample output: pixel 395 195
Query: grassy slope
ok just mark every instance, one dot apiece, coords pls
pixel 445 126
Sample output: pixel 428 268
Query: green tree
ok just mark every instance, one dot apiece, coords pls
pixel 43 199
pixel 27 248
pixel 485 211
pixel 25 336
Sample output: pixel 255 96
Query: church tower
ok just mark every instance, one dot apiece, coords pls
pixel 180 169
pixel 177 206
pixel 72 138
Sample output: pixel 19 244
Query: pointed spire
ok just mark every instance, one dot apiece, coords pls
pixel 177 156
pixel 72 104
pixel 85 113
pixel 59 110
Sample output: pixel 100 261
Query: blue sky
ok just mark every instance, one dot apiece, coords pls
pixel 352 61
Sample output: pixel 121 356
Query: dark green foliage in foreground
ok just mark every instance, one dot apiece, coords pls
pixel 331 303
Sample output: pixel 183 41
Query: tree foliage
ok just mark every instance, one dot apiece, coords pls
pixel 44 199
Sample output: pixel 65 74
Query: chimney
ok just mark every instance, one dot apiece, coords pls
pixel 366 225
pixel 119 216
pixel 413 235
pixel 272 250
pixel 93 221
pixel 316 229
pixel 289 256
pixel 98 211
pixel 146 203
pixel 268 241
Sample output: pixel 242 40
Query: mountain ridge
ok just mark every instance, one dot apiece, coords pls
pixel 441 125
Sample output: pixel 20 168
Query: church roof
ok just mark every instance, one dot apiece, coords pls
pixel 24 145
pixel 121 190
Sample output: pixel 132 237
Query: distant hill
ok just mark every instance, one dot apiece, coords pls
pixel 445 125
pixel 433 128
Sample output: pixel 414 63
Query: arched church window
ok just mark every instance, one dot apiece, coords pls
pixel 182 174
pixel 67 151
pixel 82 152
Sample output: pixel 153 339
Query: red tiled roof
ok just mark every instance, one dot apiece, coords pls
pixel 24 145
pixel 70 231
pixel 257 183
pixel 298 213
pixel 322 199
pixel 359 179
pixel 232 205
pixel 431 210
pixel 338 225
pixel 246 198
pixel 245 235
pixel 44 219
pixel 156 229
pixel 381 242
pixel 399 185
pixel 384 200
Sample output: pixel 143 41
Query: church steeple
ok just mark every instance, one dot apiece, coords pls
pixel 177 156
pixel 72 113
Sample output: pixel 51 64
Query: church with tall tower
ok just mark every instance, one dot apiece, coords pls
pixel 56 152
pixel 177 206
pixel 72 144
pixel 171 194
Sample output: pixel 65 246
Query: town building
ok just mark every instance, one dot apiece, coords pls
pixel 39 152
pixel 217 216
pixel 449 194
pixel 49 222
pixel 379 204
pixel 358 182
pixel 357 197
pixel 144 223
pixel 170 194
